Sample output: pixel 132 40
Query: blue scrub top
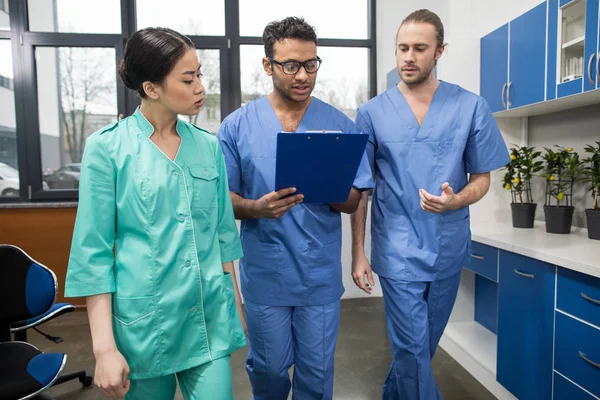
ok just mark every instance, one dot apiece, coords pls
pixel 458 136
pixel 294 260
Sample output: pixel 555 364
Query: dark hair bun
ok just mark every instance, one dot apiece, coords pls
pixel 125 77
pixel 150 55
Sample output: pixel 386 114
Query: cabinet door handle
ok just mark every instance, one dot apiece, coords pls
pixel 585 296
pixel 589 69
pixel 502 95
pixel 530 276
pixel 587 360
pixel 598 66
pixel 477 257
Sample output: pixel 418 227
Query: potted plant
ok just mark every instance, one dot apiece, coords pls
pixel 562 169
pixel 519 171
pixel 592 176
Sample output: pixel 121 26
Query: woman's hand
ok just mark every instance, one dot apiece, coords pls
pixel 112 374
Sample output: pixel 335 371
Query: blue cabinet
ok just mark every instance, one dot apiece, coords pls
pixel 577 352
pixel 563 389
pixel 494 68
pixel 522 81
pixel 525 326
pixel 527 74
pixel 591 44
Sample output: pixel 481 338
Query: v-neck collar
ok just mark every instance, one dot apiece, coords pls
pixel 146 130
pixel 273 122
pixel 431 116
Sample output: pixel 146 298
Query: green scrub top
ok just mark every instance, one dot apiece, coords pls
pixel 154 233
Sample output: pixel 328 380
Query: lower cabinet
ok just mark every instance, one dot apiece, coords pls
pixel 525 326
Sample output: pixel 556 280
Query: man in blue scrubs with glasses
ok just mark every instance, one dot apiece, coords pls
pixel 291 271
pixel 426 136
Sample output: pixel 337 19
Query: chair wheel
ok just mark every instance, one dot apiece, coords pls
pixel 86 380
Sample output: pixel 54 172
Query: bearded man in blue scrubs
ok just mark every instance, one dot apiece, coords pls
pixel 291 271
pixel 432 146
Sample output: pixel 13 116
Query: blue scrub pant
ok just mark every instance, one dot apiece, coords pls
pixel 281 336
pixel 207 381
pixel 416 316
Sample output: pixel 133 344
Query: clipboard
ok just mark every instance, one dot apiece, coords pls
pixel 321 165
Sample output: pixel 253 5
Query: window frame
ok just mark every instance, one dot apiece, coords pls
pixel 24 43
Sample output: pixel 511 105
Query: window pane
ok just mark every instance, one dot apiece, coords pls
pixel 209 117
pixel 255 82
pixel 75 16
pixel 256 14
pixel 342 80
pixel 4 20
pixel 190 17
pixel 9 175
pixel 76 97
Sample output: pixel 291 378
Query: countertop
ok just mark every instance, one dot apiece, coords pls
pixel 30 204
pixel 573 251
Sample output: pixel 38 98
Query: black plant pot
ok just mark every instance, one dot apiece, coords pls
pixel 593 223
pixel 558 218
pixel 523 214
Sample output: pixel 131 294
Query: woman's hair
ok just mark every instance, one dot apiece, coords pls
pixel 288 28
pixel 150 55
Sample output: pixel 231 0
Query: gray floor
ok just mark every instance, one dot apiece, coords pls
pixel 361 363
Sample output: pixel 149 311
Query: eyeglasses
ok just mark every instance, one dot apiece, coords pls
pixel 292 67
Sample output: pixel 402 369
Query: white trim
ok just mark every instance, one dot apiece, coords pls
pixel 187 194
pixel 42 320
pixel 508 73
pixel 546 51
pixel 49 385
pixel 591 394
pixel 197 261
pixel 135 320
pixel 578 319
pixel 41 265
pixel 554 324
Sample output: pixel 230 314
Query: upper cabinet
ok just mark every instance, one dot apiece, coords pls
pixel 545 60
pixel 513 62
pixel 494 61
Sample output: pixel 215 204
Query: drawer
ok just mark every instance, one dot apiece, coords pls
pixel 579 295
pixel 484 260
pixel 565 390
pixel 577 352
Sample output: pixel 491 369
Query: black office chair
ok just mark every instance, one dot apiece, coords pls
pixel 28 290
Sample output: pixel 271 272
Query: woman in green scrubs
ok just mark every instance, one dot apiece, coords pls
pixel 155 237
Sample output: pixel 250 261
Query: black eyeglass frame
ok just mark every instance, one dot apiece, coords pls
pixel 301 64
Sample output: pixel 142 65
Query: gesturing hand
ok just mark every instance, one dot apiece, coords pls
pixel 438 204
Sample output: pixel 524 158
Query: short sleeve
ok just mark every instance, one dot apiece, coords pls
pixel 485 150
pixel 229 238
pixel 231 155
pixel 364 175
pixel 364 125
pixel 90 269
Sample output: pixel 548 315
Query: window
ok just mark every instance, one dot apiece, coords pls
pixel 9 174
pixel 75 16
pixel 4 18
pixel 342 80
pixel 320 14
pixel 190 17
pixel 65 85
pixel 76 97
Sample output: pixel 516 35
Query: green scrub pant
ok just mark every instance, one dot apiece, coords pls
pixel 211 381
